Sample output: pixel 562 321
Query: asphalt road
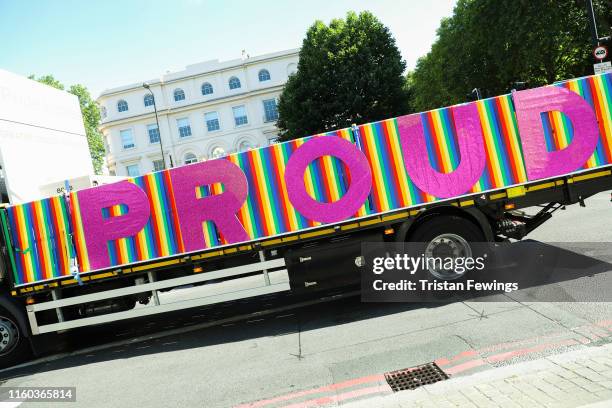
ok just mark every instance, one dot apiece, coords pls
pixel 331 352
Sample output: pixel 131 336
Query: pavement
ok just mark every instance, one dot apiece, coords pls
pixel 580 378
pixel 335 353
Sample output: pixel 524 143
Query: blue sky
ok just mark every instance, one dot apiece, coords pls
pixel 107 43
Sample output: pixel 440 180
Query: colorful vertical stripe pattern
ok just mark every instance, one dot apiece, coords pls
pixel 504 165
pixel 391 186
pixel 76 224
pixel 39 229
pixel 161 236
pixel 267 210
pixel 40 241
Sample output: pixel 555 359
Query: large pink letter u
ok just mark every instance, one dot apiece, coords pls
pixel 416 157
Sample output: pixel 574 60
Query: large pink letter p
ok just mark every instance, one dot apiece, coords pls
pixel 98 230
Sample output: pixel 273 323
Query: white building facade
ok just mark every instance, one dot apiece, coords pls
pixel 206 111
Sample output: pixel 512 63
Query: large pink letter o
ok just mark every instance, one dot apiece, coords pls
pixel 353 158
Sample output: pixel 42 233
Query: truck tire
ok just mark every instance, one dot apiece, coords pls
pixel 14 345
pixel 448 235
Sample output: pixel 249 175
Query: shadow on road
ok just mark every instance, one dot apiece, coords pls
pixel 570 265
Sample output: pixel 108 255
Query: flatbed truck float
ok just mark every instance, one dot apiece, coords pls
pixel 291 217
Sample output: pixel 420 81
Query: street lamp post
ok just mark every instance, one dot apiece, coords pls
pixel 161 146
pixel 592 22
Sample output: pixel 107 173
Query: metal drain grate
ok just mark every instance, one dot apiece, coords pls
pixel 411 378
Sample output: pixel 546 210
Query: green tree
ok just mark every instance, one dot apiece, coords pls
pixel 91 118
pixel 349 71
pixel 490 44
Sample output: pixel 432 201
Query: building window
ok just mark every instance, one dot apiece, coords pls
pixel 184 127
pixel 132 170
pixel 122 106
pixel 158 165
pixel 148 100
pixel 179 95
pixel 207 89
pixel 245 145
pixel 217 152
pixel 190 158
pixel 270 110
pixel 127 138
pixel 234 83
pixel 240 116
pixel 264 75
pixel 212 121
pixel 103 112
pixel 153 131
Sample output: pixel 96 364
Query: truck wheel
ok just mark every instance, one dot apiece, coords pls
pixel 448 236
pixel 14 346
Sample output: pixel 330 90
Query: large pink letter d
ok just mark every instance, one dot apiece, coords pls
pixel 539 162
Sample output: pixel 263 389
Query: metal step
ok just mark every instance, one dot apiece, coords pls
pixel 241 287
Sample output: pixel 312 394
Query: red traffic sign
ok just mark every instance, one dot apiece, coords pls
pixel 600 52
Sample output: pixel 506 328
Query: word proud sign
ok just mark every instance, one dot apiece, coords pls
pixel 329 178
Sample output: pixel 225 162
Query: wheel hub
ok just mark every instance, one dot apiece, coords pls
pixel 9 335
pixel 447 246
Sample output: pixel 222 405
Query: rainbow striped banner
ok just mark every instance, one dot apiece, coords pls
pixel 40 240
pixel 40 231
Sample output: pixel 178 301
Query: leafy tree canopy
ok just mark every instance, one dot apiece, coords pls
pixel 91 118
pixel 349 71
pixel 491 44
